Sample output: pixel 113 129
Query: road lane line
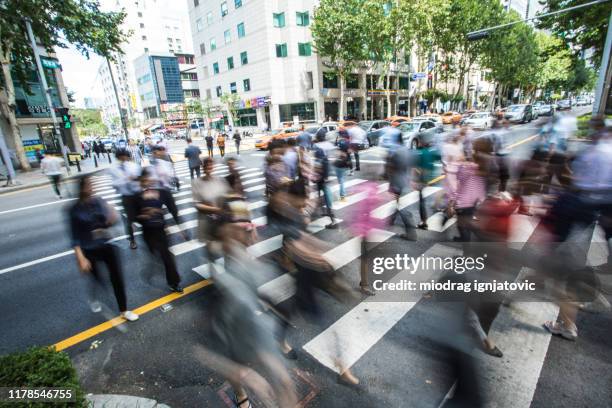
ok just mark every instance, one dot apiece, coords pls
pixel 37 206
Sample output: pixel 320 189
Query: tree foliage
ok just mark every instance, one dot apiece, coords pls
pixel 56 23
pixel 581 29
pixel 89 122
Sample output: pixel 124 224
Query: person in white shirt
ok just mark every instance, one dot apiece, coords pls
pixel 358 138
pixel 125 174
pixel 135 152
pixel 51 165
pixel 162 172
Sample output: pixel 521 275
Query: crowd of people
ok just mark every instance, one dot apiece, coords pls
pixel 482 188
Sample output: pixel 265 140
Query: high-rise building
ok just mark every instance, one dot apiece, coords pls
pixel 262 51
pixel 159 83
pixel 157 26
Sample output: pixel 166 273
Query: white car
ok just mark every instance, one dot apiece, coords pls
pixel 480 120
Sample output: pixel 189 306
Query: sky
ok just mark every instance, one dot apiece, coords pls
pixel 80 73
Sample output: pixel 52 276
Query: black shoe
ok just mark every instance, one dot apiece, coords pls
pixel 133 245
pixel 422 225
pixel 290 355
pixel 176 288
pixel 333 225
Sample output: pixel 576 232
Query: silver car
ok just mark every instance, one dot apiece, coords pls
pixel 419 133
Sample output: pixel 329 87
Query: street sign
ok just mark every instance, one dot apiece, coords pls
pixel 50 63
pixel 418 75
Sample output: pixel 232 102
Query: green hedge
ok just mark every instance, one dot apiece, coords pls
pixel 583 125
pixel 40 367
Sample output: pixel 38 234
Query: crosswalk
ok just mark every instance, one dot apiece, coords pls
pixel 359 327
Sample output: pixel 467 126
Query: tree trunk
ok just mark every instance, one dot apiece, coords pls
pixel 7 112
pixel 341 107
pixel 371 97
pixel 388 92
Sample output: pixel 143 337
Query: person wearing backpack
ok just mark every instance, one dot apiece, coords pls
pixel 342 163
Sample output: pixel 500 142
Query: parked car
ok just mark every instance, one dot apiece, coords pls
pixel 581 101
pixel 415 134
pixel 519 113
pixel 331 130
pixel 546 110
pixel 109 145
pixel 465 115
pixel 480 120
pixel 439 126
pixel 564 104
pixel 451 118
pixel 373 129
pixel 277 134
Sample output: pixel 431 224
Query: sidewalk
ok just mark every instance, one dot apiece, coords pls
pixel 35 177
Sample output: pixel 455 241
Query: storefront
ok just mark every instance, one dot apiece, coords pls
pixel 303 112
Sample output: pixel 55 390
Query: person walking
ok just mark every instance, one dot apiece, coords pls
pixel 163 174
pixel 149 207
pixel 51 166
pixel 192 154
pixel 358 139
pixel 87 149
pixel 135 152
pixel 97 148
pixel 124 174
pixel 233 178
pixel 221 144
pixel 423 174
pixel 400 163
pixel 237 139
pixel 209 145
pixel 321 174
pixel 90 217
pixel 342 163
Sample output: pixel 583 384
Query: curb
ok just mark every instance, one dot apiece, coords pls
pixel 44 182
pixel 121 401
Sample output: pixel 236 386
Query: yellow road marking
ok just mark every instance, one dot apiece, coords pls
pixel 109 324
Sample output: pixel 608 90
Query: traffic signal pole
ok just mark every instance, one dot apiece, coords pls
pixel 46 90
pixel 121 117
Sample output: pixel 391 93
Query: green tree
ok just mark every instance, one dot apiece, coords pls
pixel 55 24
pixel 554 62
pixel 452 21
pixel 230 100
pixel 582 29
pixel 338 29
pixel 89 122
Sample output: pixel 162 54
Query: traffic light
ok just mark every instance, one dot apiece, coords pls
pixel 63 114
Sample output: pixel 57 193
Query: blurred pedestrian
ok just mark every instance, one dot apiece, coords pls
pixel 97 148
pixel 358 140
pixel 233 178
pixel 51 166
pixel 423 174
pixel 209 144
pixel 237 139
pixel 192 154
pixel 90 218
pixel 125 174
pixel 342 162
pixel 399 169
pixel 321 174
pixel 135 152
pixel 221 144
pixel 162 172
pixel 150 214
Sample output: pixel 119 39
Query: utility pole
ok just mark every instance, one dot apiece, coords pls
pixel 121 117
pixel 602 90
pixel 46 90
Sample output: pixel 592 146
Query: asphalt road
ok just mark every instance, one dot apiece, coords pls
pixel 398 350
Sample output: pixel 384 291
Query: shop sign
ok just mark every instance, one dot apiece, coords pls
pixel 258 102
pixel 50 63
pixel 30 147
pixel 382 92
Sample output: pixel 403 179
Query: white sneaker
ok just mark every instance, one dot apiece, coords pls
pixel 599 305
pixel 560 329
pixel 130 316
pixel 95 306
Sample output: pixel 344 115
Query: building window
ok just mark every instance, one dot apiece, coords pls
pixel 352 81
pixel 246 83
pixel 230 63
pixel 281 50
pixel 146 49
pixel 209 18
pixel 199 25
pixel 244 58
pixel 189 59
pixel 279 19
pixel 237 3
pixel 227 36
pixel 404 82
pixel 304 49
pixel 309 80
pixel 208 94
pixel 219 91
pixel 144 38
pixel 302 18
pixel 330 80
pixel 240 29
pixel 139 14
pixel 205 69
pixel 202 49
pixel 233 88
pixel 305 111
pixel 141 25
pixel 196 3
pixel 224 9
pixel 215 68
pixel 189 76
pixel 213 44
